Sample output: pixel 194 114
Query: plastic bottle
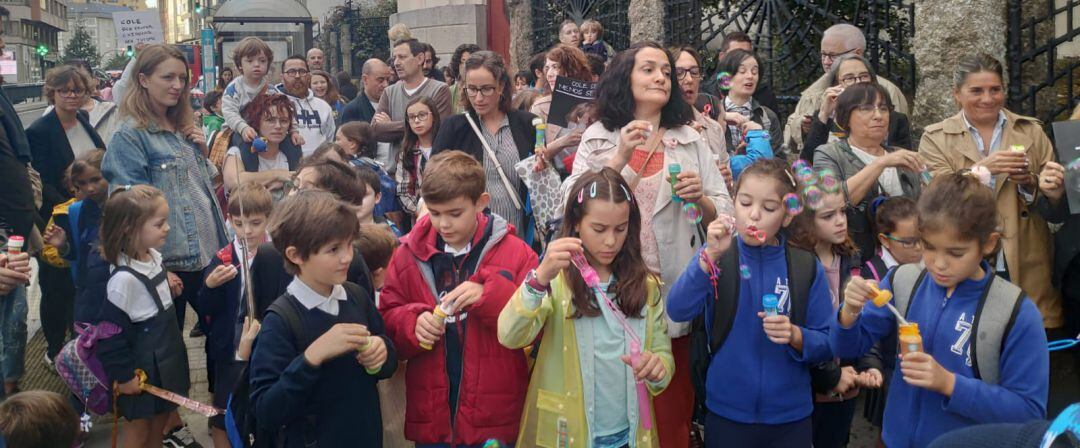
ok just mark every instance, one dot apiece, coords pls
pixel 771 304
pixel 910 339
pixel 15 244
pixel 673 177
pixel 440 315
pixel 364 348
pixel 757 140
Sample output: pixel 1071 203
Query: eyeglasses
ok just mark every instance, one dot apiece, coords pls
pixel 851 80
pixel 419 117
pixel 870 108
pixel 833 56
pixel 485 91
pixel 71 93
pixel 296 72
pixel 695 73
pixel 906 243
pixel 283 122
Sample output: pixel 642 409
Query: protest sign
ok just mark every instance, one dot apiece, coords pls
pixel 134 27
pixel 567 94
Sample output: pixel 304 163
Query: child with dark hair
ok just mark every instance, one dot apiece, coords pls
pixel 445 287
pixel 322 346
pixel 211 118
pixel 972 344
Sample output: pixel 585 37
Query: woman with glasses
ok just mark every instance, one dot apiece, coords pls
pixel 864 166
pixel 740 104
pixel 570 62
pixel 57 139
pixel 1020 160
pixel 846 72
pixel 507 134
pixel 705 106
pixel 272 161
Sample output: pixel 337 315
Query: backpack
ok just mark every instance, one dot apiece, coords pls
pixel 996 313
pixel 78 365
pixel 705 340
pixel 240 424
pixel 387 186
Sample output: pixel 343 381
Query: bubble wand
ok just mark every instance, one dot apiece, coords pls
pixel 249 293
pixel 592 279
pixel 881 298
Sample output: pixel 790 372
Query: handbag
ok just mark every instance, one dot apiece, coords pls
pixel 544 191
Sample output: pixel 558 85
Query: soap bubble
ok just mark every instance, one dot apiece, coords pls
pixel 793 204
pixel 723 80
pixel 799 165
pixel 744 271
pixel 814 197
pixel 829 181
pixel 1074 165
pixel 692 212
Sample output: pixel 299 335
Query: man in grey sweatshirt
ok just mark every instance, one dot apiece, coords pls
pixel 388 124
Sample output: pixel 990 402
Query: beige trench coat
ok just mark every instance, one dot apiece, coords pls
pixel 947 147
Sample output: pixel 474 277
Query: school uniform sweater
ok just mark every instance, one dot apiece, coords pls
pixel 914 417
pixel 221 306
pixel 335 404
pixel 750 379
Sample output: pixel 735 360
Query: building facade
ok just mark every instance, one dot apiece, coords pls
pixel 134 5
pixel 32 24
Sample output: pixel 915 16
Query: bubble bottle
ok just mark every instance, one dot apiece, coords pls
pixel 15 244
pixel 910 339
pixel 758 140
pixel 771 305
pixel 440 313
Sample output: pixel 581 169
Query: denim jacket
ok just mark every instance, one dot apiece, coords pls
pixel 152 156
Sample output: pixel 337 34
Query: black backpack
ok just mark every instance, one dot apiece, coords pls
pixel 242 427
pixel 802 270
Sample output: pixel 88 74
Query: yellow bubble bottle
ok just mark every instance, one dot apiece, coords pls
pixel 910 339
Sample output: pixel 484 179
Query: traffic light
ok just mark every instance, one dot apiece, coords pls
pixel 130 51
pixel 198 7
pixel 43 50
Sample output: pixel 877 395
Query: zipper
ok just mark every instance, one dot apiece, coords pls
pixel 761 359
pixel 920 392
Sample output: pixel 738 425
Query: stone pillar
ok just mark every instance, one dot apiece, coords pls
pixel 646 20
pixel 944 32
pixel 521 34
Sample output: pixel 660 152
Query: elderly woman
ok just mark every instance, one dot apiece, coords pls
pixel 1014 149
pixel 561 60
pixel 846 72
pixel 865 166
pixel 643 130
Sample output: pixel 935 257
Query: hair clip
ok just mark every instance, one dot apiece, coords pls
pixel 592 190
pixel 791 178
pixel 125 187
pixel 629 197
pixel 581 195
pixel 979 173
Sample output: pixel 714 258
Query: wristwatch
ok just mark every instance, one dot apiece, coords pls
pixel 534 284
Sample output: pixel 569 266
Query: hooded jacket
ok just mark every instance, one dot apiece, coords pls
pixel 750 378
pixel 314 119
pixel 494 379
pixel 914 417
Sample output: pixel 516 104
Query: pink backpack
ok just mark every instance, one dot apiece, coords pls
pixel 81 370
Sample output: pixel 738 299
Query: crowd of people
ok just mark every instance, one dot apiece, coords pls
pixel 424 258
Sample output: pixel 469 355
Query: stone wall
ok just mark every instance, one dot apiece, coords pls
pixel 944 31
pixel 520 35
pixel 646 20
pixel 446 26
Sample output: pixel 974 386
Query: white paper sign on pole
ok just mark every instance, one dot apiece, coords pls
pixel 133 27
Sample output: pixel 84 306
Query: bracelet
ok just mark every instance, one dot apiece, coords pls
pixel 845 310
pixel 532 283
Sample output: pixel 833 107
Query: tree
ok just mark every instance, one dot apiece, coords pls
pixel 117 62
pixel 82 47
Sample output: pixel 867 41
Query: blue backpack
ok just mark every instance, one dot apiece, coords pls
pixel 388 186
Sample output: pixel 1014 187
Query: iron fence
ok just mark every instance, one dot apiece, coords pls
pixel 1041 79
pixel 548 15
pixel 787 36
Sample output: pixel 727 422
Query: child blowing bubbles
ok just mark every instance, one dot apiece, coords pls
pixel 134 224
pixel 604 225
pixel 771 404
pixel 938 389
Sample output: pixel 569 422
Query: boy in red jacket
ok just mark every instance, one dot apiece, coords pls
pixel 462 387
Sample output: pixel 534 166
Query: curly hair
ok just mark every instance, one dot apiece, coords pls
pixel 263 104
pixel 616 102
pixel 456 59
pixel 572 61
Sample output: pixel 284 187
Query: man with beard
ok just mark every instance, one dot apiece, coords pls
pixel 314 117
pixel 388 125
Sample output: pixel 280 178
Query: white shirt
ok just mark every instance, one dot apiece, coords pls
pixel 130 295
pixel 411 92
pixel 280 162
pixel 311 299
pixel 80 140
pixel 890 177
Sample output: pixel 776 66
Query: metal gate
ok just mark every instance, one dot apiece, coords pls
pixel 549 14
pixel 787 36
pixel 1041 78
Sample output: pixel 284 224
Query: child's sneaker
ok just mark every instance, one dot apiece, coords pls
pixel 181 437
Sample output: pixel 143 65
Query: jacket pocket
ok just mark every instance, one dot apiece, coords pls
pixel 551 421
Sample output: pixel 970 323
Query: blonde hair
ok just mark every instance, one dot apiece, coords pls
pixel 127 209
pixel 136 100
pixel 594 26
pixel 399 32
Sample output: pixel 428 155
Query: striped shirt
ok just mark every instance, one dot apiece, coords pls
pixel 502 143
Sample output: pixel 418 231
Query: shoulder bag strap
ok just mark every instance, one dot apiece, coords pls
pixel 149 283
pixel 495 159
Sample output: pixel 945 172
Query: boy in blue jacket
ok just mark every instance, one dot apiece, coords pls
pixel 758 381
pixel 945 386
pixel 222 296
pixel 322 346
